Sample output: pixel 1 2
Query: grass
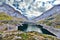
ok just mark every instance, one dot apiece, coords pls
pixel 7 19
pixel 27 36
pixel 52 21
pixel 4 16
pixel 23 35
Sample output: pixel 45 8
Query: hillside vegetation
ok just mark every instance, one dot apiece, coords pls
pixel 18 35
pixel 4 16
pixel 52 21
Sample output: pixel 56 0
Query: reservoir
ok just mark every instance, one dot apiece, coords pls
pixel 36 28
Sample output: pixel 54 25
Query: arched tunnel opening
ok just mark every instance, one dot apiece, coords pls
pixel 44 31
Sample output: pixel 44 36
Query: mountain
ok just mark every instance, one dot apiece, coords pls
pixel 10 16
pixel 48 13
pixel 53 21
pixel 11 11
pixel 19 35
pixel 50 17
pixel 6 20
pixel 6 17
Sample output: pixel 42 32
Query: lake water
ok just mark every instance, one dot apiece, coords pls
pixel 33 28
pixel 37 28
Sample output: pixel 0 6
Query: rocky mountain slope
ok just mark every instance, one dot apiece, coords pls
pixel 18 35
pixel 11 11
pixel 51 12
pixel 53 21
pixel 7 17
pixel 7 21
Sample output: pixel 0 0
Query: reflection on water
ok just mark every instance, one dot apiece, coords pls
pixel 37 28
pixel 33 28
pixel 27 28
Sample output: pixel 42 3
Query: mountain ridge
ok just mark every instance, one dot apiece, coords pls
pixel 11 11
pixel 50 12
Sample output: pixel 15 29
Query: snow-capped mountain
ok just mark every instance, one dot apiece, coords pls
pixel 11 11
pixel 48 13
pixel 31 8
